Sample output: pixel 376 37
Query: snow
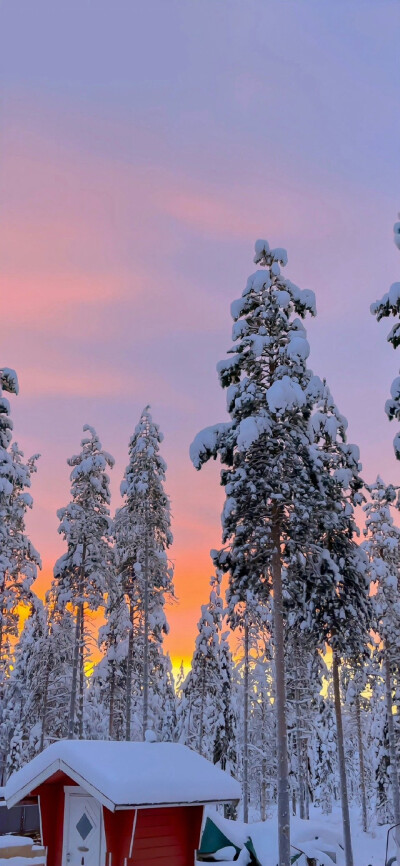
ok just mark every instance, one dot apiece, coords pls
pixel 279 254
pixel 285 394
pixel 250 429
pixel 206 442
pixel 395 388
pixel 392 298
pixel 394 294
pixel 319 837
pixel 9 380
pixel 225 854
pixel 15 841
pixel 396 231
pixel 150 736
pixel 261 247
pixel 128 773
pixel 298 348
pixel 31 860
pixel 20 851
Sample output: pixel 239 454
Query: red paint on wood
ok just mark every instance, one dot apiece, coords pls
pixel 118 827
pixel 52 803
pixel 167 836
pixel 163 836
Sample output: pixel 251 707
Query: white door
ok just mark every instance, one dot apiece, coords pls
pixel 82 831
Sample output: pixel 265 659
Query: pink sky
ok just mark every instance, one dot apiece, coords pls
pixel 143 150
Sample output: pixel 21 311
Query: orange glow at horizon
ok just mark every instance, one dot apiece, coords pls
pixel 191 578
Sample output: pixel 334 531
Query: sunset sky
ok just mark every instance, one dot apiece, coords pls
pixel 143 149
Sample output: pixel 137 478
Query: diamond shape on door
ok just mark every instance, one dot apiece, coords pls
pixel 84 826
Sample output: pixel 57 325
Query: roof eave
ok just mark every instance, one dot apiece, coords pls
pixel 220 801
pixel 49 771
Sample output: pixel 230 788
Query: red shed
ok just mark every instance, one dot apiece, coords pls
pixel 106 803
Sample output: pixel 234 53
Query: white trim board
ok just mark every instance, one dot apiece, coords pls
pixel 60 765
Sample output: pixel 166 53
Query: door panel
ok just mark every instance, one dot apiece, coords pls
pixel 83 832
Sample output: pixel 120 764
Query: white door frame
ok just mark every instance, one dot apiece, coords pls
pixel 78 791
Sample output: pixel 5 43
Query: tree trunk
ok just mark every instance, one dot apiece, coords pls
pixel 74 680
pixel 112 700
pixel 393 769
pixel 264 765
pixel 201 726
pixel 246 722
pixel 342 765
pixel 306 780
pixel 45 706
pixel 299 750
pixel 81 668
pixel 75 663
pixel 280 700
pixel 128 696
pixel 263 789
pixel 146 633
pixel 362 766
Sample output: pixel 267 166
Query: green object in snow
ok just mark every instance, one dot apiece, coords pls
pixel 250 847
pixel 213 839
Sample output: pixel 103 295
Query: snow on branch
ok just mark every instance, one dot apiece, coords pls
pixel 206 444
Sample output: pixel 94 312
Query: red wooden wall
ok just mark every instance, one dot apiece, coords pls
pixel 163 836
pixel 118 828
pixel 52 801
pixel 167 836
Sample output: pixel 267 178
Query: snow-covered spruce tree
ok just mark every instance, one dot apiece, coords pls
pixel 206 716
pixel 81 575
pixel 225 747
pixel 389 305
pixel 378 746
pixel 253 627
pixel 37 690
pixel 163 707
pixel 199 707
pixel 303 686
pixel 332 598
pixel 256 728
pixel 57 687
pixel 265 449
pixel 354 685
pixel 324 772
pixel 18 558
pixel 262 734
pixel 143 536
pixel 25 690
pixel 382 546
pixel 19 561
pixel 106 694
pixel 8 383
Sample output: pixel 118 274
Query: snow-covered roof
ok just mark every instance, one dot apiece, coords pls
pixel 124 774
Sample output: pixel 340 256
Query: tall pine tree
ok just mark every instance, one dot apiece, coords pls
pixel 18 558
pixel 81 575
pixel 382 545
pixel 206 714
pixel 389 305
pixel 265 449
pixel 143 536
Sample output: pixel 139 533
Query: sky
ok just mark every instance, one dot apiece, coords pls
pixel 144 147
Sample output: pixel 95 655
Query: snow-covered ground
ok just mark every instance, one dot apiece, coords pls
pixel 317 837
pixel 20 851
